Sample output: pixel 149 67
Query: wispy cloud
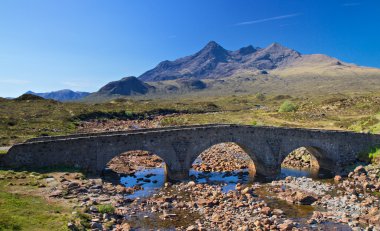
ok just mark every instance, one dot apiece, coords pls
pixel 14 81
pixel 351 4
pixel 268 19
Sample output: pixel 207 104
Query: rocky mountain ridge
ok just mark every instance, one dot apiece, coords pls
pixel 61 95
pixel 213 62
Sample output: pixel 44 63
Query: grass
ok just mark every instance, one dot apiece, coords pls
pixel 3 152
pixel 106 208
pixel 24 119
pixel 287 106
pixel 19 211
pixel 374 154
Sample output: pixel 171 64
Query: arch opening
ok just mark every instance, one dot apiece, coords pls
pixel 140 172
pixel 305 161
pixel 226 164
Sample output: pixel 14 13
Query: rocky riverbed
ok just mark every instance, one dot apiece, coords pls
pixel 221 196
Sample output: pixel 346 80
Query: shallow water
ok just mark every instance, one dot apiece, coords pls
pixel 157 181
pixel 228 180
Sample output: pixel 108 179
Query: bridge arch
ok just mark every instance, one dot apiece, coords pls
pixel 132 161
pixel 258 166
pixel 231 150
pixel 320 158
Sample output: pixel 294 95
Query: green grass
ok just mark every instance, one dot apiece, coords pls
pixel 24 119
pixel 24 212
pixel 374 154
pixel 2 152
pixel 106 208
pixel 287 106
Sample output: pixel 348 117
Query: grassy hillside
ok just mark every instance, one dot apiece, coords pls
pixel 24 119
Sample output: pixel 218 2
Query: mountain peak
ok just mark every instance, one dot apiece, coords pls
pixel 247 50
pixel 277 46
pixel 212 44
pixel 213 47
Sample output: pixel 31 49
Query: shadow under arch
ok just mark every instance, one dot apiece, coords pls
pixel 319 165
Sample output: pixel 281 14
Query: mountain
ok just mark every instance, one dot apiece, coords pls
pixel 213 61
pixel 62 95
pixel 126 86
pixel 273 70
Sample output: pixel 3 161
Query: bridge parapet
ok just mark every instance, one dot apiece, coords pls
pixel 180 146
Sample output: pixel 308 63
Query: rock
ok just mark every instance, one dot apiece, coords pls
pixel 246 190
pixel 56 193
pixel 278 212
pixel 288 179
pixel 287 225
pixel 304 199
pixel 120 189
pixel 71 226
pixel 96 225
pixel 93 209
pixel 360 169
pixel 265 210
pixel 192 228
pixel 337 178
pixel 191 184
pixel 125 227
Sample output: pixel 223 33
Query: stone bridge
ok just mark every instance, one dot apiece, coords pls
pixel 180 146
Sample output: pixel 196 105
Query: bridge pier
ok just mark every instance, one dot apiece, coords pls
pixel 267 173
pixel 176 175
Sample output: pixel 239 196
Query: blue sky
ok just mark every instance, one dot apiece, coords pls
pixel 48 45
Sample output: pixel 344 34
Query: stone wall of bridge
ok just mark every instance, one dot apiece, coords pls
pixel 180 146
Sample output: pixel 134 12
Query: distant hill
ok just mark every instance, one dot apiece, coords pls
pixel 62 95
pixel 27 97
pixel 126 86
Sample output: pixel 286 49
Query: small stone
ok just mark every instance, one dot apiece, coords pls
pixel 93 209
pixel 125 227
pixel 337 178
pixel 360 169
pixel 191 228
pixel 96 225
pixel 191 184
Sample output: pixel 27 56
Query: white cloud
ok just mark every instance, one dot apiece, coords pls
pixel 14 81
pixel 268 19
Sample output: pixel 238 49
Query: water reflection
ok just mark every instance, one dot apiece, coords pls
pixel 152 180
pixel 306 172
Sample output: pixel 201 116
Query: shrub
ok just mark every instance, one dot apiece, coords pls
pixel 287 106
pixel 373 155
pixel 172 121
pixel 106 208
pixel 260 96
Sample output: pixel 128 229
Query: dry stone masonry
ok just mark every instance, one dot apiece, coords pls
pixel 180 146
